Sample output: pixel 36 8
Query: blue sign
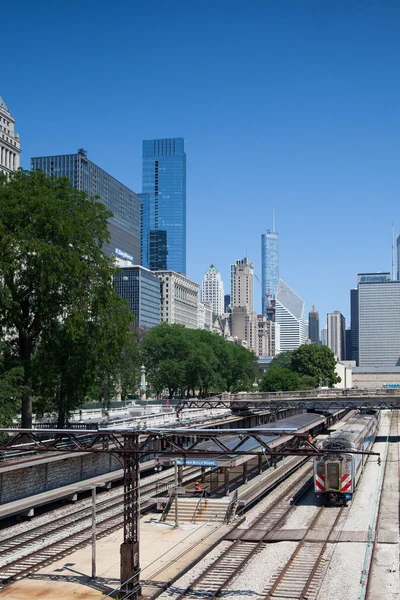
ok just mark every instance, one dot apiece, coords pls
pixel 123 255
pixel 200 462
pixel 374 278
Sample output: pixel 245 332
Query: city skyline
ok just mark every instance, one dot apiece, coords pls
pixel 313 124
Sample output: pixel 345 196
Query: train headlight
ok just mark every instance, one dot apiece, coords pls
pixel 349 457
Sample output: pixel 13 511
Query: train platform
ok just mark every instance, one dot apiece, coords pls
pixel 26 506
pixel 166 554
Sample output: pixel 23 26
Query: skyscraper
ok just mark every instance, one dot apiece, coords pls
pixel 313 326
pixel 336 326
pixel 164 183
pixel 354 324
pixel 10 147
pixel 269 266
pixel 244 319
pixel 212 290
pixel 289 312
pixel 141 289
pixel 124 225
pixel 398 256
pixel 378 320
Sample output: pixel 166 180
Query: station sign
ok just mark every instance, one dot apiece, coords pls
pixel 197 462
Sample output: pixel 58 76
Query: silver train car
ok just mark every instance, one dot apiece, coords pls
pixel 336 475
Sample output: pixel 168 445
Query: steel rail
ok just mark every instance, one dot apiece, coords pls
pixel 238 545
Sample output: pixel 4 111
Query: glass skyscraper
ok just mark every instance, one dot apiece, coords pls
pixel 269 266
pixel 164 192
pixel 124 225
pixel 141 289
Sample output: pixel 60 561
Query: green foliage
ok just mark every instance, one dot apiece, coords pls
pixel 279 379
pixel 317 362
pixel 56 299
pixel 197 361
pixel 11 377
pixel 283 360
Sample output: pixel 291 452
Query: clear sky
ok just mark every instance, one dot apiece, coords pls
pixel 292 105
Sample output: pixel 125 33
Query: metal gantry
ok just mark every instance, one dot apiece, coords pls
pixel 130 446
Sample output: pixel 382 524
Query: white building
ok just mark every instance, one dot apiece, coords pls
pixel 268 337
pixel 212 290
pixel 205 316
pixel 290 315
pixel 179 299
pixel 336 336
pixel 10 148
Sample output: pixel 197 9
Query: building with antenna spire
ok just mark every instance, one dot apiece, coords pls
pixel 269 265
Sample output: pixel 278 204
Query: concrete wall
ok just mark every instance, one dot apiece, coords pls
pixel 26 481
pixel 375 379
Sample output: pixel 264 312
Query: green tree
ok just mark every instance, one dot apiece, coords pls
pixel 51 239
pixel 11 378
pixel 283 360
pixel 317 362
pixel 278 379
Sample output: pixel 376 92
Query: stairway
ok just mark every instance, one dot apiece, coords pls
pixel 195 510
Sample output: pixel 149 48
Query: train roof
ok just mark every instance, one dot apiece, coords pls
pixel 349 435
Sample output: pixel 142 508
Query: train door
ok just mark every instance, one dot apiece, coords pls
pixel 332 475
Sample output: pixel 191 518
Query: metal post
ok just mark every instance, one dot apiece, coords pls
pixel 245 472
pixel 226 481
pixel 93 533
pixel 176 495
pixel 259 459
pixel 130 560
pixel 203 474
pixel 180 475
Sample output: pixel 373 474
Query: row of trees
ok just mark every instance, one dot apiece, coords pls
pixel 195 361
pixel 302 369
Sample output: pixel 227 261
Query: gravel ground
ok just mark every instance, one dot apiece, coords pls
pixel 259 575
pixel 361 509
pixel 342 579
pixel 255 512
pixel 386 582
pixel 302 515
pixel 183 582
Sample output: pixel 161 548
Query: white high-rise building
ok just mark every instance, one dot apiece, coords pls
pixel 336 326
pixel 212 290
pixel 179 299
pixel 9 141
pixel 289 311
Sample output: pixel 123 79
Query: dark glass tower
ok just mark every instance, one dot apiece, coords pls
pixel 124 225
pixel 354 324
pixel 313 326
pixel 164 183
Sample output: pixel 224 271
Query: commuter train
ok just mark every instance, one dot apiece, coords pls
pixel 336 475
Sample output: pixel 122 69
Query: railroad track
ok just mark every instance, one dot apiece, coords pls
pixel 40 545
pixel 394 430
pixel 301 576
pixel 221 571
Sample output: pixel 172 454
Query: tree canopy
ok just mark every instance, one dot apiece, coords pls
pixel 57 305
pixel 197 361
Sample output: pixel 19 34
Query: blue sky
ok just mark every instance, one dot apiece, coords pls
pixel 287 105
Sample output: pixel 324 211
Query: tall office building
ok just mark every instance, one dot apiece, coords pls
pixel 336 326
pixel 212 290
pixel 243 318
pixel 179 299
pixel 378 320
pixel 227 302
pixel 398 256
pixel 324 336
pixel 354 325
pixel 290 314
pixel 124 225
pixel 164 183
pixel 269 266
pixel 242 273
pixel 141 288
pixel 313 326
pixel 10 147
